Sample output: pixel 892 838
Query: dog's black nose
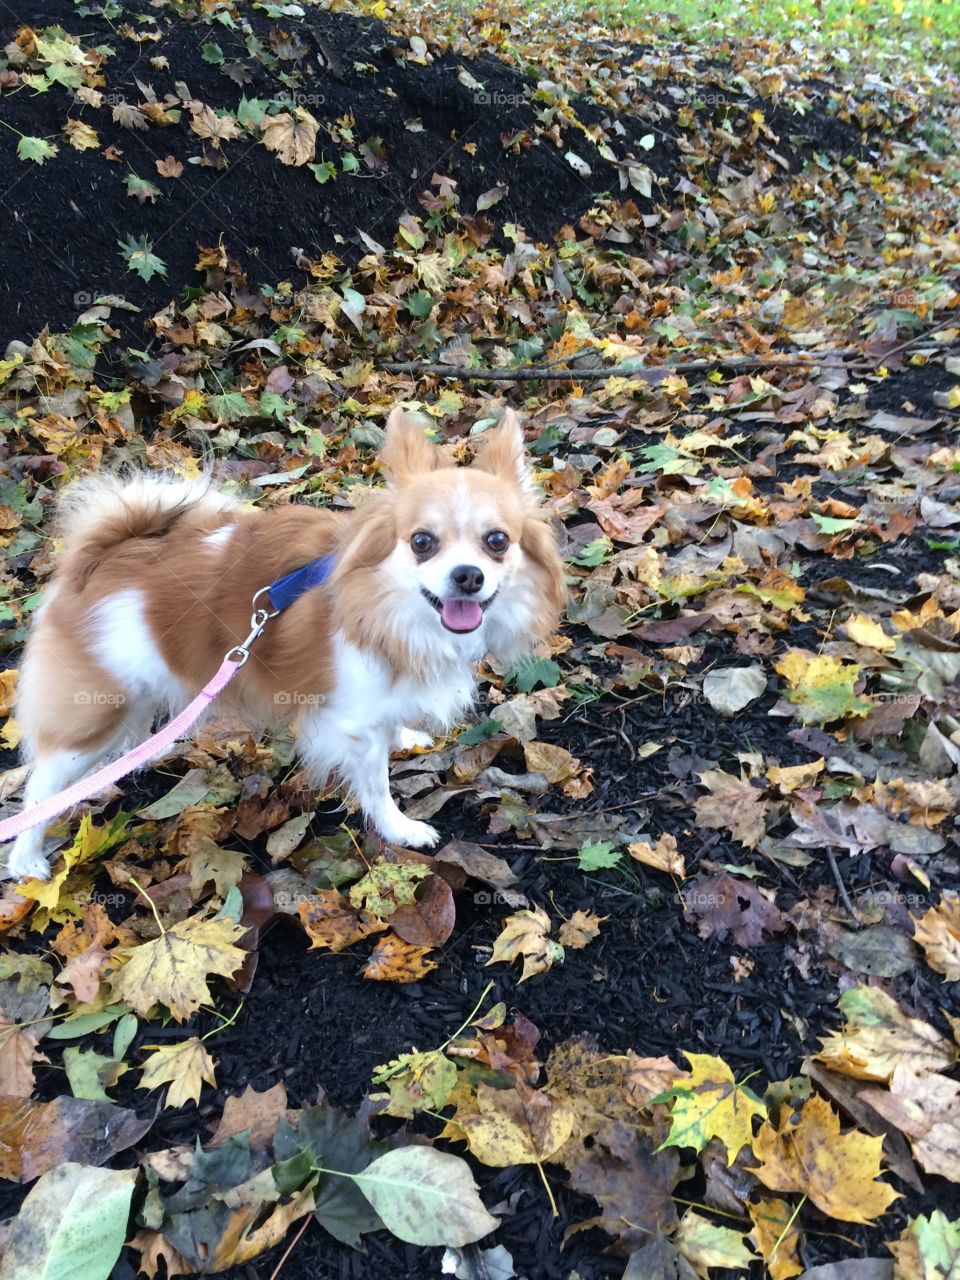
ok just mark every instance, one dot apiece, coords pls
pixel 468 578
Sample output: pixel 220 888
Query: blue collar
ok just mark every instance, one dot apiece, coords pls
pixel 286 590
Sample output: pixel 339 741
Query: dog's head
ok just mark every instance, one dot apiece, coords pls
pixel 455 553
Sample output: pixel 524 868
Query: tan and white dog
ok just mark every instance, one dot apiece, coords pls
pixel 440 567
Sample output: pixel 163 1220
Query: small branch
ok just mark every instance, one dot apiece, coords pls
pixel 841 887
pixel 650 373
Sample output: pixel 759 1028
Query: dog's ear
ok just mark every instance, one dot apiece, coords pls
pixel 407 451
pixel 504 454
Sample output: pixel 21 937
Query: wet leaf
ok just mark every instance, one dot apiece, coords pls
pixel 426 1197
pixel 710 1104
pixel 173 969
pixel 185 1066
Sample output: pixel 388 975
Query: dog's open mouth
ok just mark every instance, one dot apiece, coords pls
pixel 459 615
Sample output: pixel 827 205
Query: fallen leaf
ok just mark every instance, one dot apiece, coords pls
pixel 928 1249
pixel 330 922
pixel 185 1066
pixel 292 137
pixel 73 1223
pixel 257 1114
pixel 722 902
pixel 525 934
pixel 731 689
pixel 663 856
pixel 172 970
pixel 393 960
pixel 515 1126
pixel 426 1197
pixel 705 1245
pixel 708 1103
pixel 807 1153
pixel 822 686
pixel 775 1229
pixel 938 932
pixel 733 805
pixel 926 1107
pixel 877 1037
pixel 580 929
pixel 36 1136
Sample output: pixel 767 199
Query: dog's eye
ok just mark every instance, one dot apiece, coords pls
pixel 497 542
pixel 423 544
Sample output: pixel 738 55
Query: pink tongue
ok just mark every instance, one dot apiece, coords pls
pixel 461 615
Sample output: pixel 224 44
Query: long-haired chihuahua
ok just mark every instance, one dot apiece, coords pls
pixel 441 566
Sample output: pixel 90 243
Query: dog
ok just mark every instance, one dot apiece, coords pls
pixel 438 568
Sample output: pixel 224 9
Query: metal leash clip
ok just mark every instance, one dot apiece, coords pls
pixel 258 620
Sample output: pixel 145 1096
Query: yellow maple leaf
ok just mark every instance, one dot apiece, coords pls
pixel 877 1036
pixel 792 777
pixel 822 686
pixel 838 1172
pixel 777 1239
pixel 580 929
pixel 704 1245
pixel 663 856
pixel 525 934
pixel 393 960
pixel 710 1104
pixel 938 932
pixel 172 970
pixel 184 1066
pixel 864 630
pixel 292 137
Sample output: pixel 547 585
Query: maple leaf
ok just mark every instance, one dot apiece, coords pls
pixel 80 136
pixel 866 631
pixel 387 885
pixel 36 149
pixel 139 257
pixel 205 123
pixel 393 960
pixel 822 686
pixel 776 1237
pixel 292 137
pixel 926 1107
pixel 725 902
pixel 580 929
pixel 329 922
pixel 710 1104
pixel 256 1114
pixel 938 932
pixel 525 934
pixel 169 167
pixel 184 1066
pixel 839 1172
pixel 172 970
pixel 705 1245
pixel 733 805
pixel 877 1036
pixel 631 1182
pixel 928 1249
pixel 663 856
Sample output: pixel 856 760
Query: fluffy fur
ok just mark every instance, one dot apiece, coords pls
pixel 155 586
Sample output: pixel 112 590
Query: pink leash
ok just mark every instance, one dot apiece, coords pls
pixel 287 590
pixel 51 808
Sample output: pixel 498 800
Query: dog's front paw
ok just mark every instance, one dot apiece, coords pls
pixel 409 833
pixel 27 865
pixel 408 739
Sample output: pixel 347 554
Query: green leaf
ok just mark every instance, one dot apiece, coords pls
pixel 275 406
pixel 831 524
pixel 594 553
pixel 140 188
pixel 596 854
pixel 479 733
pixel 426 1197
pixel 349 163
pixel 323 170
pixel 71 1226
pixel 532 673
pixel 212 53
pixel 139 257
pixel 86 1023
pixel 83 1067
pixel 420 304
pixel 36 149
pixel 251 111
pixel 229 406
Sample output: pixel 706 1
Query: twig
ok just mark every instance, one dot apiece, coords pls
pixel 841 887
pixel 290 1247
pixel 651 373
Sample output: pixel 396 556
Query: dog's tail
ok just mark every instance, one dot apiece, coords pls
pixel 105 509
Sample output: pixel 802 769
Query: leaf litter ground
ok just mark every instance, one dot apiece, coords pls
pixel 797 523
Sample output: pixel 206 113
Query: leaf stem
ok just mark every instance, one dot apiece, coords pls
pixel 143 893
pixel 547 1188
pixel 783 1233
pixel 473 1013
